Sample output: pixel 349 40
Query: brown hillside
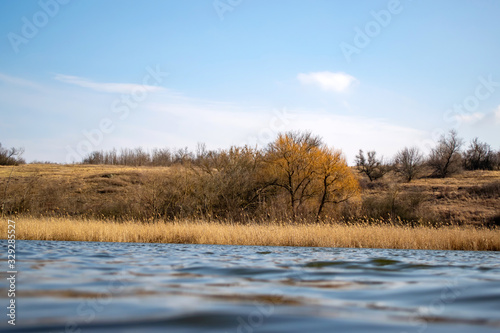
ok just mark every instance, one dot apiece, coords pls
pixel 471 197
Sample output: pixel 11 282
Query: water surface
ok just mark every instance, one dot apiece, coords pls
pixel 133 287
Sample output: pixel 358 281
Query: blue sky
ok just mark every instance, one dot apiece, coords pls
pixel 89 75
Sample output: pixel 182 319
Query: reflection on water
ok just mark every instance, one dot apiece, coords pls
pixel 120 287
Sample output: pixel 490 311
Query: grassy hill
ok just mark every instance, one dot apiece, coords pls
pixel 470 197
pixel 122 192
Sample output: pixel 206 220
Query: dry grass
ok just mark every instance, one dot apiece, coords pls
pixel 70 170
pixel 271 234
pixel 469 197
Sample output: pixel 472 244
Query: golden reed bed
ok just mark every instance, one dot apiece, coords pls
pixel 272 234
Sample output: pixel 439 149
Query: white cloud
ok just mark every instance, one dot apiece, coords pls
pixel 337 82
pixel 497 115
pixel 119 88
pixel 351 133
pixel 469 118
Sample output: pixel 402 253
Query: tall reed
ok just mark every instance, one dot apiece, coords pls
pixel 360 235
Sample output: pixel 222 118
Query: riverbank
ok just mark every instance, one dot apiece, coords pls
pixel 359 235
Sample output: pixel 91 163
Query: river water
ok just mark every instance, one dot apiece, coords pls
pixel 135 287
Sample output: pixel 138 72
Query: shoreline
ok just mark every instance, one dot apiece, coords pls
pixel 358 235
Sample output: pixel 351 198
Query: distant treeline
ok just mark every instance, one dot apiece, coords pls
pixel 445 159
pixel 140 157
pixel 448 157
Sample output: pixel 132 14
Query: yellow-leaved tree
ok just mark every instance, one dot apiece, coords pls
pixel 311 174
pixel 336 180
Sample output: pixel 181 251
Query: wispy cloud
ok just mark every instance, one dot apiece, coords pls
pixel 176 120
pixel 351 133
pixel 328 81
pixel 470 118
pixel 497 115
pixel 120 88
pixel 16 81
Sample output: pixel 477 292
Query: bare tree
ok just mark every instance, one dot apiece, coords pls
pixel 445 159
pixel 161 157
pixel 479 156
pixel 141 157
pixel 408 163
pixel 183 155
pixel 371 166
pixel 11 156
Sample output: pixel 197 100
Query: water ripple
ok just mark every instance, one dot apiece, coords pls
pixel 117 287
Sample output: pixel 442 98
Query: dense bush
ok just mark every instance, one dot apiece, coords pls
pixel 396 205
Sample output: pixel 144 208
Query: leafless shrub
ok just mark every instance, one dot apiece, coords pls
pixel 479 156
pixel 408 163
pixel 11 156
pixel 370 165
pixel 445 159
pixel 161 157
